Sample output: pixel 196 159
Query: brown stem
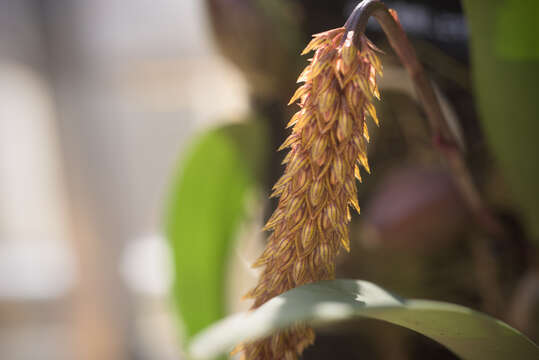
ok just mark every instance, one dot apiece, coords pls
pixel 443 138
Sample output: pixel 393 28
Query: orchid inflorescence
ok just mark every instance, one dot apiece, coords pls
pixel 328 145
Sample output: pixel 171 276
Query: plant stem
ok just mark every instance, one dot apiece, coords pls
pixel 444 140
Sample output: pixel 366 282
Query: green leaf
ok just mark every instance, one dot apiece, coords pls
pixel 469 334
pixel 505 57
pixel 516 30
pixel 205 207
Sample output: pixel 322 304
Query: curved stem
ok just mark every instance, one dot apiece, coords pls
pixel 443 138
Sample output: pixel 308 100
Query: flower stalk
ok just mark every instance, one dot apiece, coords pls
pixel 445 141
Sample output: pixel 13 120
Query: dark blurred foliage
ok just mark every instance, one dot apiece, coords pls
pixel 414 235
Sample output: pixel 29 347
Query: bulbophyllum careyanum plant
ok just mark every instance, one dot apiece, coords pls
pixel 327 148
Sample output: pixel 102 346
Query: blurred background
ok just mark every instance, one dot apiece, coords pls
pixel 97 99
pixel 100 102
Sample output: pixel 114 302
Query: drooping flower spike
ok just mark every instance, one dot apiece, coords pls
pixel 327 148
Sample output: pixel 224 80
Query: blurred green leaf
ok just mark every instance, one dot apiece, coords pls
pixel 516 30
pixel 505 55
pixel 467 333
pixel 205 207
